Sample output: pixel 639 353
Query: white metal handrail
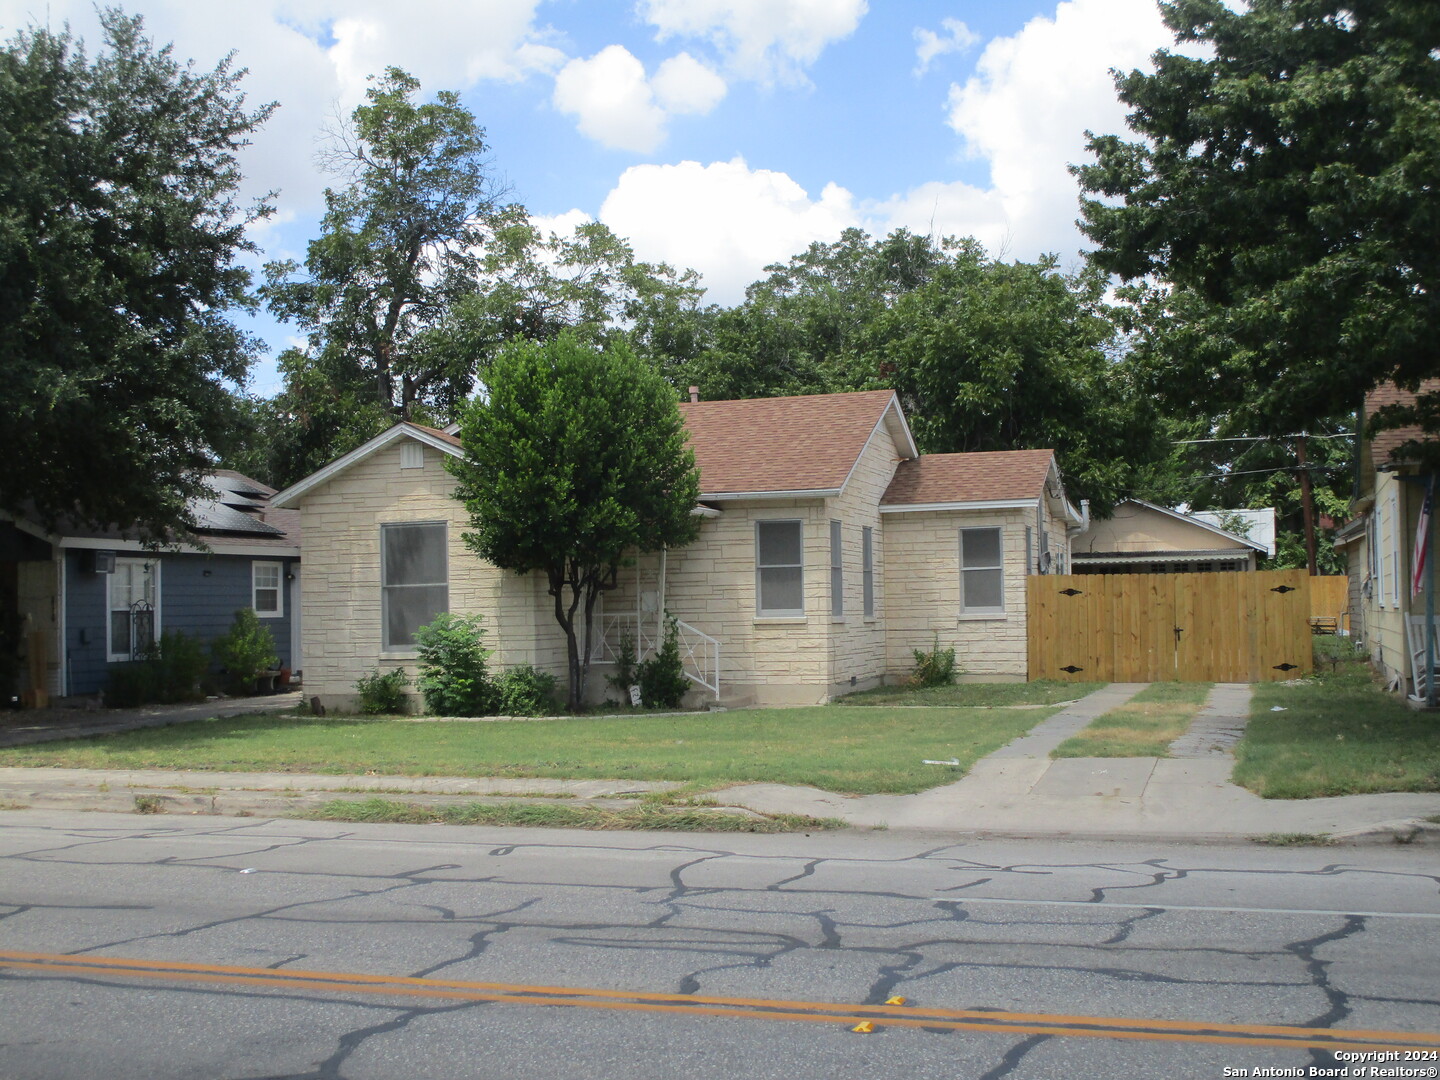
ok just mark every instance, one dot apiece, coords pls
pixel 699 652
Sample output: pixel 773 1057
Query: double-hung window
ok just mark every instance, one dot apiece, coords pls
pixel 982 574
pixel 779 569
pixel 837 572
pixel 267 590
pixel 414 581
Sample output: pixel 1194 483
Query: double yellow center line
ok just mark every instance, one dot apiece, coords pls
pixel 900 1016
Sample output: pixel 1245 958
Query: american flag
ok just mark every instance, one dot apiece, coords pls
pixel 1422 541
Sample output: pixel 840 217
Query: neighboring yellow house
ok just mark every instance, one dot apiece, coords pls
pixel 829 549
pixel 1142 538
pixel 1379 543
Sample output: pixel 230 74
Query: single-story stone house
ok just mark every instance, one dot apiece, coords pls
pixel 1143 538
pixel 829 549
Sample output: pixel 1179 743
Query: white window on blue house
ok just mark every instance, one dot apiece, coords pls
pixel 133 607
pixel 414 580
pixel 267 589
pixel 779 569
pixel 982 573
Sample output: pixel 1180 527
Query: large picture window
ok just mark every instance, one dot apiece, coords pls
pixel 414 582
pixel 133 599
pixel 779 568
pixel 982 574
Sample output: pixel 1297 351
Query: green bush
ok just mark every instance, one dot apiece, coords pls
pixel 524 690
pixel 170 671
pixel 933 668
pixel 382 693
pixel 627 671
pixel 244 652
pixel 454 679
pixel 662 678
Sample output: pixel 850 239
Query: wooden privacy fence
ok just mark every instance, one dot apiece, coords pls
pixel 1218 627
pixel 1330 599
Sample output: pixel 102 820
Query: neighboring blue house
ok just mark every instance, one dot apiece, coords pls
pixel 82 600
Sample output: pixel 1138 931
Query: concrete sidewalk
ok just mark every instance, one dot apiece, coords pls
pixel 1018 791
pixel 50 725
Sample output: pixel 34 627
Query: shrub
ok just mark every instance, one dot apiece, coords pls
pixel 382 693
pixel 933 668
pixel 524 690
pixel 170 671
pixel 662 678
pixel 244 652
pixel 627 671
pixel 454 679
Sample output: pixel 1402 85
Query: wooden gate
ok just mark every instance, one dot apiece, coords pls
pixel 1219 627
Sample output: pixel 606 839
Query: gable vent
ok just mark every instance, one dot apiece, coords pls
pixel 412 455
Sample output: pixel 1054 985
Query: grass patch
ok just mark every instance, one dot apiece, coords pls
pixel 149 804
pixel 1144 726
pixel 644 816
pixel 1339 734
pixel 974 695
pixel 861 751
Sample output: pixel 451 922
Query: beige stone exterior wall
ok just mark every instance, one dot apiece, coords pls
pixel 922 585
pixel 340 523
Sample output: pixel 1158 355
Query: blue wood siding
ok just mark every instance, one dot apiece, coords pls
pixel 192 601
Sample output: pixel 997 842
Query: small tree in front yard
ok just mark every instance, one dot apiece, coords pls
pixel 575 458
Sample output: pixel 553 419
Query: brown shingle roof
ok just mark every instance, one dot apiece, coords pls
pixel 1386 442
pixel 453 440
pixel 781 444
pixel 963 478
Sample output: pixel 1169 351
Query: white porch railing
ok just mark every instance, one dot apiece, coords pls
pixel 699 652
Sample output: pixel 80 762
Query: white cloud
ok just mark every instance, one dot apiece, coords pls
pixel 724 219
pixel 762 39
pixel 957 37
pixel 1032 98
pixel 683 84
pixel 612 100
pixel 616 105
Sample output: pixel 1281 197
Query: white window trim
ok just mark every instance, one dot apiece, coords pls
pixel 407 651
pixel 779 613
pixel 279 568
pixel 110 655
pixel 981 612
pixel 837 570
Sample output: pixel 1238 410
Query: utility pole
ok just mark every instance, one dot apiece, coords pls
pixel 1307 502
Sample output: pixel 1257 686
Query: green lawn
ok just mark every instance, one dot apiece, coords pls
pixel 644 817
pixel 1340 734
pixel 860 751
pixel 974 695
pixel 1144 726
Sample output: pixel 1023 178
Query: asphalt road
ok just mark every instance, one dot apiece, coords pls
pixel 211 947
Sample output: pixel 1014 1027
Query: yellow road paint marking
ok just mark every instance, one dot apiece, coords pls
pixel 910 1016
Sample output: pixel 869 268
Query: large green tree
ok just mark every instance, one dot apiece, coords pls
pixel 120 232
pixel 399 246
pixel 1284 194
pixel 575 460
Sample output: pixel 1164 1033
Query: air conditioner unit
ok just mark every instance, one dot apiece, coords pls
pixel 103 562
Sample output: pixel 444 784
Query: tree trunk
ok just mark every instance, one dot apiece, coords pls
pixel 566 618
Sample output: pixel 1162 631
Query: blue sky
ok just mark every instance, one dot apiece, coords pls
pixel 718 134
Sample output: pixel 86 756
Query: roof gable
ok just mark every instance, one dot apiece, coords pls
pixel 951 479
pixel 805 445
pixel 432 437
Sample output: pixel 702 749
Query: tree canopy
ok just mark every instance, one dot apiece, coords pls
pixel 120 232
pixel 399 246
pixel 575 459
pixel 1284 196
